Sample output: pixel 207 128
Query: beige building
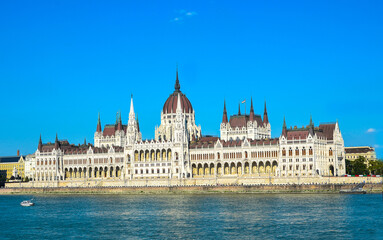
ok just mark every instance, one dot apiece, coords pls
pixel 353 153
pixel 11 165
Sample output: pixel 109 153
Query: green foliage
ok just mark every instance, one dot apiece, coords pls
pixel 376 167
pixel 359 167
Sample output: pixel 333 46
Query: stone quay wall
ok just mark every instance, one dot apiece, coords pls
pixel 200 185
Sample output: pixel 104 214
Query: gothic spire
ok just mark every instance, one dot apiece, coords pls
pixel 284 128
pixel 311 126
pixel 40 146
pixel 85 141
pixel 311 121
pixel 119 124
pixel 177 86
pixel 224 116
pixel 265 117
pixel 251 118
pixel 138 125
pixel 132 116
pixel 99 124
pixel 57 144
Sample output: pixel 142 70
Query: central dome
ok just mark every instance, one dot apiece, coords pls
pixel 170 105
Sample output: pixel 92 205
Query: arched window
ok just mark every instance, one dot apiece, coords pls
pixel 330 152
pixel 290 152
pixel 310 151
pixel 284 152
pixel 304 151
pixel 297 152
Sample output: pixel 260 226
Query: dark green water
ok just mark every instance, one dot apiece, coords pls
pixel 223 216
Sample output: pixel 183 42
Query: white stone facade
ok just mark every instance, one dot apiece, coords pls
pixel 245 149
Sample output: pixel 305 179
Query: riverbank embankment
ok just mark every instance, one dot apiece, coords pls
pixel 285 188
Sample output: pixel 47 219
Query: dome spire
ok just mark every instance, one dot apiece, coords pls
pixel 177 86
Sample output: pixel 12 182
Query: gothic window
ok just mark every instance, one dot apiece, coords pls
pixel 290 152
pixel 304 151
pixel 283 152
pixel 330 152
pixel 296 151
pixel 310 151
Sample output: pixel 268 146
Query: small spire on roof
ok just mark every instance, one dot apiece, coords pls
pixel 138 125
pixel 40 146
pixel 265 117
pixel 99 123
pixel 251 110
pixel 284 128
pixel 224 116
pixel 119 123
pixel 311 120
pixel 57 144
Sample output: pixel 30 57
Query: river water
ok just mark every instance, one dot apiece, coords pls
pixel 210 216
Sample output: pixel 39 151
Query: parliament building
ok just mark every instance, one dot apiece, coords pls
pixel 244 149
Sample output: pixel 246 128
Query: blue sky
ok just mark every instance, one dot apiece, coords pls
pixel 63 62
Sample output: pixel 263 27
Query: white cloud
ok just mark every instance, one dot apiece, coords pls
pixel 183 13
pixel 371 130
pixel 189 14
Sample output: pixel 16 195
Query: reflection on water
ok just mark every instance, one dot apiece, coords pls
pixel 227 216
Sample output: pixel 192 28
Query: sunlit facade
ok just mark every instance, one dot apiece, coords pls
pixel 244 149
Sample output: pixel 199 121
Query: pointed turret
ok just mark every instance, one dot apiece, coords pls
pixel 84 141
pixel 57 144
pixel 224 116
pixel 265 117
pixel 99 124
pixel 132 115
pixel 311 126
pixel 239 109
pixel 252 117
pixel 177 86
pixel 138 125
pixel 40 146
pixel 311 121
pixel 284 128
pixel 119 124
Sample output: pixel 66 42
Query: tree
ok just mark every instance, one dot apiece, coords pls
pixel 376 167
pixel 348 167
pixel 359 166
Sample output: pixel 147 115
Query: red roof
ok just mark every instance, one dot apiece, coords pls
pixel 241 120
pixel 328 130
pixel 171 103
pixel 109 130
